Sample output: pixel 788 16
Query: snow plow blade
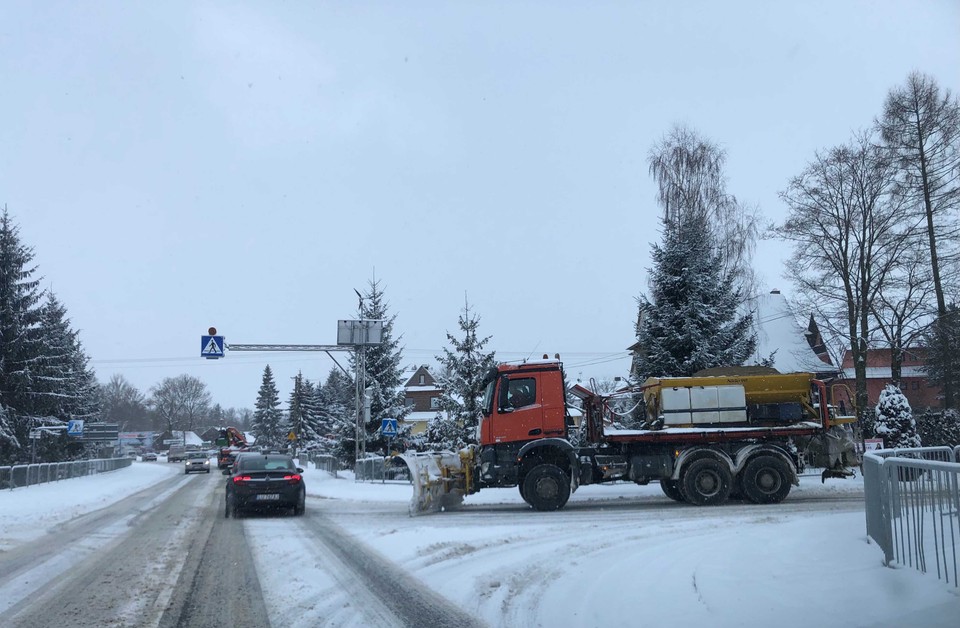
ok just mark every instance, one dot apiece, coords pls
pixel 438 481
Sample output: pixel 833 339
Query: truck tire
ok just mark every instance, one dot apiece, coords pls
pixel 706 482
pixel 546 487
pixel 671 488
pixel 766 480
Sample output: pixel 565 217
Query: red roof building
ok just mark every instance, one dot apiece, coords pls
pixel 913 381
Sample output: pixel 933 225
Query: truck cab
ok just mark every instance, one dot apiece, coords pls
pixel 521 403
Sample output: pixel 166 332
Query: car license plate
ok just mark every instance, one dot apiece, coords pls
pixel 268 497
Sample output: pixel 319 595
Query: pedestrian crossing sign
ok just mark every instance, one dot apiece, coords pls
pixel 211 347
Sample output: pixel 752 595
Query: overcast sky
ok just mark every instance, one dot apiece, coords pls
pixel 248 165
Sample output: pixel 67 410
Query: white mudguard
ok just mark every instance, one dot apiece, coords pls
pixel 438 481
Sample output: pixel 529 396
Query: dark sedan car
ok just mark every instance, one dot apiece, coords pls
pixel 264 481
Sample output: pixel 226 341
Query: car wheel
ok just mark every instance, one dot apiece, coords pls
pixel 300 506
pixel 226 506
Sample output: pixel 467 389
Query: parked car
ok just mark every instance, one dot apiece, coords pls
pixel 196 461
pixel 148 456
pixel 264 481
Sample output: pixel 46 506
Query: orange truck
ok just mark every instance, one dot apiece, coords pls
pixel 705 439
pixel 230 440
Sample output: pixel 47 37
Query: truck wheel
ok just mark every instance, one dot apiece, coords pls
pixel 671 488
pixel 522 493
pixel 766 480
pixel 706 482
pixel 546 487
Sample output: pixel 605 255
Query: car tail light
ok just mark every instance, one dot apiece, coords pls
pixel 241 478
pixel 293 479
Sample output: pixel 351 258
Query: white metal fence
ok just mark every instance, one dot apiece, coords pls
pixel 380 469
pixel 913 508
pixel 30 474
pixel 323 462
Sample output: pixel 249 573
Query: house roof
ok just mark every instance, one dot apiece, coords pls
pixel 779 331
pixel 428 379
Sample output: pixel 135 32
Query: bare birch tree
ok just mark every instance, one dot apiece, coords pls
pixel 847 232
pixel 691 185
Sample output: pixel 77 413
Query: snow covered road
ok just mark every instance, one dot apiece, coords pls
pixel 104 551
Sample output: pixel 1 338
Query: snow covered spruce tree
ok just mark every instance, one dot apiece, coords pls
pixel 463 364
pixel 895 424
pixel 64 385
pixel 268 424
pixel 383 373
pixel 20 342
pixel 337 418
pixel 304 412
pixel 44 373
pixel 692 319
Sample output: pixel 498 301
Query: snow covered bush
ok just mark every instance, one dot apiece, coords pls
pixel 894 421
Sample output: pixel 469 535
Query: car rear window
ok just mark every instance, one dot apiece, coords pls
pixel 265 464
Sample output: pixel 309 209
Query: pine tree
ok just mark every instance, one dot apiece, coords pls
pixel 337 418
pixel 943 367
pixel 692 322
pixel 463 368
pixel 20 340
pixel 384 376
pixel 305 419
pixel 938 428
pixel 64 385
pixel 268 424
pixel 895 422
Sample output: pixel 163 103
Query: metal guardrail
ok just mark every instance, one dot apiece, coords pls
pixel 380 469
pixel 29 474
pixel 913 508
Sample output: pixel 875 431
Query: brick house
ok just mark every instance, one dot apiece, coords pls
pixel 422 397
pixel 913 381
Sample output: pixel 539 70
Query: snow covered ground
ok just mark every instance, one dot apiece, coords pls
pixel 617 555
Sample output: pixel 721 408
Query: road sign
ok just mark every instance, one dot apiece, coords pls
pixel 388 428
pixel 34 434
pixel 74 428
pixel 292 435
pixel 211 347
pixel 100 431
